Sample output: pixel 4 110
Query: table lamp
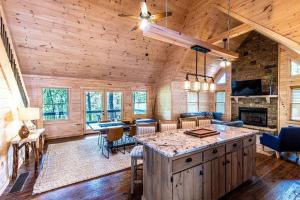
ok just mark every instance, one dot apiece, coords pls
pixel 28 114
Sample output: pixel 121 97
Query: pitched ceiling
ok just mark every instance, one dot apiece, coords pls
pixel 86 38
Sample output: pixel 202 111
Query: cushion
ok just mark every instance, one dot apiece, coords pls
pixel 137 152
pixel 217 115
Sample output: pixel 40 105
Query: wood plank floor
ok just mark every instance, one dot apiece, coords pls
pixel 276 180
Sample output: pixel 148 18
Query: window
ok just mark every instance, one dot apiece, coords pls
pixel 220 102
pixel 295 68
pixel 222 79
pixel 295 104
pixel 139 102
pixel 93 106
pixel 192 102
pixel 114 105
pixel 55 103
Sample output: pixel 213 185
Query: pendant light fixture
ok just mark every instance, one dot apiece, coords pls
pixel 226 62
pixel 197 86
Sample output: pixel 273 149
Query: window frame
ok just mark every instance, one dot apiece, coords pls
pixel 298 63
pixel 216 102
pixel 188 102
pixel 68 107
pixel 133 102
pixel 291 103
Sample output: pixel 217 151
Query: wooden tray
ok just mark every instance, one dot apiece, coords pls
pixel 202 132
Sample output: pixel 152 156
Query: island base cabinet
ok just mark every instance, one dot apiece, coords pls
pixel 249 168
pixel 187 185
pixel 234 170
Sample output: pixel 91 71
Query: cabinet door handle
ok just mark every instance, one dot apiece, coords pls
pixel 234 145
pixel 250 140
pixel 224 163
pixel 245 154
pixel 201 173
pixel 215 151
pixel 227 161
pixel 188 160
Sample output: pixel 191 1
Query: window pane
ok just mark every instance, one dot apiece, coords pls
pixel 295 68
pixel 220 102
pixel 220 107
pixel 93 106
pixel 222 79
pixel 192 107
pixel 192 97
pixel 296 95
pixel 114 105
pixel 140 102
pixel 220 97
pixel 55 103
pixel 295 112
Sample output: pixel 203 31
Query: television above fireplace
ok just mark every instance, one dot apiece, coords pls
pixel 246 88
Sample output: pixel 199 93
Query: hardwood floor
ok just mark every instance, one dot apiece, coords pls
pixel 276 179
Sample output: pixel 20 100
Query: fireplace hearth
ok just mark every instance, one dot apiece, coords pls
pixel 254 116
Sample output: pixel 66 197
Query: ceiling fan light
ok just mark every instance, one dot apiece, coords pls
pixel 205 86
pixel 196 85
pixel 187 85
pixel 212 87
pixel 144 24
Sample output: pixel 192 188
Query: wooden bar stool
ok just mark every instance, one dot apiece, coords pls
pixel 167 125
pixel 186 123
pixel 137 152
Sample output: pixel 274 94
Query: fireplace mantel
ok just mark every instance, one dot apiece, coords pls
pixel 267 97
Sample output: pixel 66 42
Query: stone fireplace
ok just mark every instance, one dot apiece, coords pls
pixel 258 60
pixel 254 116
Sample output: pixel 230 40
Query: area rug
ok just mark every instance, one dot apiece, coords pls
pixel 71 162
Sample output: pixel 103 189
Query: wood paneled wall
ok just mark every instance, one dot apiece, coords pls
pixel 74 125
pixel 286 81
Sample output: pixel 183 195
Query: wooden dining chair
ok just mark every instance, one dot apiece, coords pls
pixel 167 125
pixel 113 135
pixel 100 136
pixel 204 122
pixel 186 123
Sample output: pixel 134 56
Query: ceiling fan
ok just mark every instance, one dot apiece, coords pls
pixel 145 16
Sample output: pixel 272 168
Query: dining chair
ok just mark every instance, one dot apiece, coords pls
pixel 137 152
pixel 100 134
pixel 167 125
pixel 130 134
pixel 204 122
pixel 113 135
pixel 186 123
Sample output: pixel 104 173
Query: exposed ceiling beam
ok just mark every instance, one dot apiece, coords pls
pixel 263 30
pixel 157 32
pixel 234 32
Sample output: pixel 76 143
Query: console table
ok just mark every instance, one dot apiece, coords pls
pixel 36 136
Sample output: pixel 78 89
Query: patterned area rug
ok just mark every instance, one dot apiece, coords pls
pixel 71 162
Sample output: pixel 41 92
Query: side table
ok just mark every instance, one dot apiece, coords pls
pixel 36 136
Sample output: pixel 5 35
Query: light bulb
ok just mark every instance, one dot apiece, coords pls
pixel 212 87
pixel 187 85
pixel 196 85
pixel 223 63
pixel 144 24
pixel 228 63
pixel 205 86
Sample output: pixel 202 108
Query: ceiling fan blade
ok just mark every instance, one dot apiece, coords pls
pixel 134 28
pixel 144 9
pixel 129 16
pixel 161 15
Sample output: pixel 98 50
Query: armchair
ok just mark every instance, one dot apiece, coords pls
pixel 287 141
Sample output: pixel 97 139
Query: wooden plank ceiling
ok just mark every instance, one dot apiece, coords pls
pixel 86 38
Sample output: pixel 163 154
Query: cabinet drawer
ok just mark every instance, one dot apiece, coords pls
pixel 187 162
pixel 249 141
pixel 233 146
pixel 214 153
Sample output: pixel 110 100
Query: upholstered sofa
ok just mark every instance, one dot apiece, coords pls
pixel 216 118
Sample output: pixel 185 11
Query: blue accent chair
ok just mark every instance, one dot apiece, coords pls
pixel 287 141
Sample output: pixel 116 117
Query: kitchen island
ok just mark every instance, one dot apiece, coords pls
pixel 180 166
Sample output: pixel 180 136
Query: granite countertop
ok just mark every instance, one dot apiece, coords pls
pixel 175 143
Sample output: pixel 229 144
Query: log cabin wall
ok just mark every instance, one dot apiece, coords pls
pixel 74 125
pixel 286 82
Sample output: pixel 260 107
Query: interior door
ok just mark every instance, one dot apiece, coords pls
pixel 93 108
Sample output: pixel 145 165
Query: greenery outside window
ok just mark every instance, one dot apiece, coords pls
pixel 192 102
pixel 140 102
pixel 114 105
pixel 295 104
pixel 55 103
pixel 220 102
